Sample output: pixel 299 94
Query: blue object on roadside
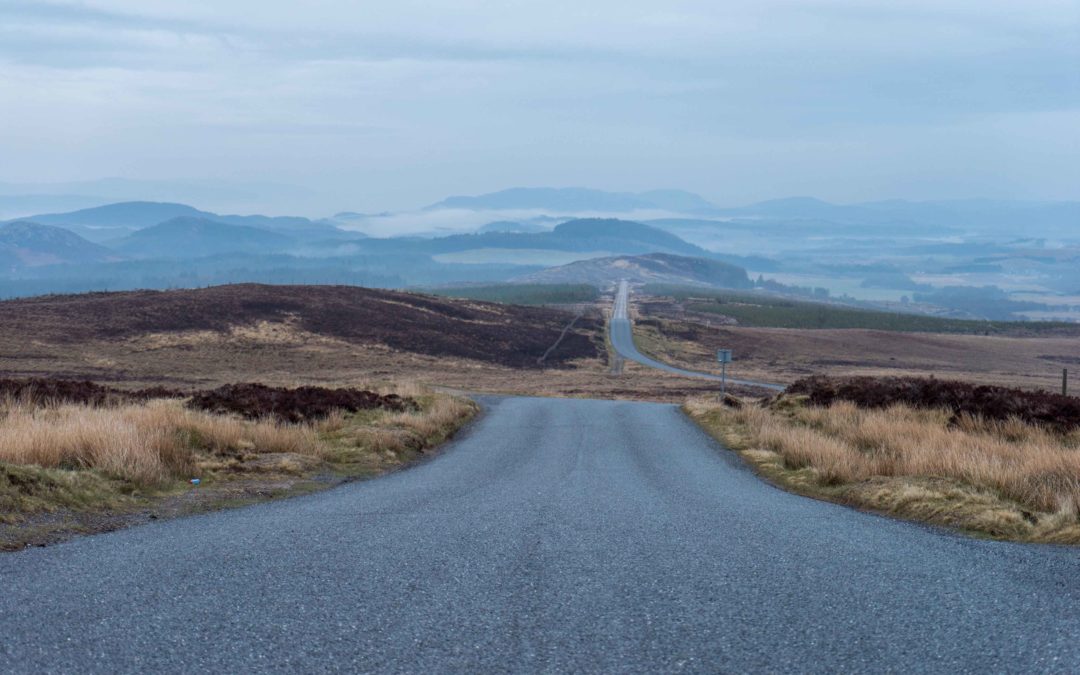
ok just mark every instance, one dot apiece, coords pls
pixel 195 481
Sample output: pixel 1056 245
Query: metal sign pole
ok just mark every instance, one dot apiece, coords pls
pixel 724 357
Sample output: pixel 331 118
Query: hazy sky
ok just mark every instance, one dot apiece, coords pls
pixel 395 104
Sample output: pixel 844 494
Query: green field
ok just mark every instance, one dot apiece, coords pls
pixel 752 309
pixel 523 294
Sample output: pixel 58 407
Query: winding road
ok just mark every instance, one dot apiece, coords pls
pixel 622 339
pixel 552 536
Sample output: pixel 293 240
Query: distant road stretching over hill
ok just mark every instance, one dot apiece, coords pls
pixel 622 339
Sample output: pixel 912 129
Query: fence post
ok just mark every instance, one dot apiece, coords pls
pixel 1064 381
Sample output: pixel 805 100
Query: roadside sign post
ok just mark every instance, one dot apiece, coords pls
pixel 724 357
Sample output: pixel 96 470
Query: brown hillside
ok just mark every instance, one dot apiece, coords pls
pixel 499 334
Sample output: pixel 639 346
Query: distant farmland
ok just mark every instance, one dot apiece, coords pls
pixel 523 294
pixel 765 311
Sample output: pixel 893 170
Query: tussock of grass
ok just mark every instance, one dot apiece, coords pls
pixel 32 489
pixel 397 437
pixel 1004 479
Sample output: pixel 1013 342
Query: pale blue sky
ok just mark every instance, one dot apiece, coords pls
pixel 396 104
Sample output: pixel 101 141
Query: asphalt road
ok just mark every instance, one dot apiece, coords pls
pixel 553 536
pixel 622 339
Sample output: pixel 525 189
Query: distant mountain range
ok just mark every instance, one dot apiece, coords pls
pixel 150 230
pixel 156 245
pixel 102 224
pixel 652 267
pixel 988 216
pixel 112 221
pixel 574 200
pixel 161 230
pixel 883 250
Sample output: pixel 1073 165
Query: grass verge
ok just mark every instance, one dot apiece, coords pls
pixel 998 479
pixel 652 341
pixel 68 469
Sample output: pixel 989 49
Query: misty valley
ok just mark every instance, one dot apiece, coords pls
pixel 973 259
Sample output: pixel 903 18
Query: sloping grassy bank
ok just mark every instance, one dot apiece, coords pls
pixel 67 468
pixel 1004 479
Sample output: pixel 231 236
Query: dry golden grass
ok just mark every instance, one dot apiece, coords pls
pixel 398 435
pixel 1005 479
pixel 102 467
pixel 441 414
pixel 146 444
pixel 160 441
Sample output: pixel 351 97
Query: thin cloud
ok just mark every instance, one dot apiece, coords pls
pixel 385 105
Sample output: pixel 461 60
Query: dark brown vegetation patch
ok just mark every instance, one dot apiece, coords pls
pixel 40 390
pixel 255 401
pixel 507 335
pixel 1061 413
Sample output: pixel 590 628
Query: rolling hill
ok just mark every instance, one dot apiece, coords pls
pixel 111 221
pixel 346 315
pixel 28 244
pixel 650 268
pixel 189 237
pixel 129 215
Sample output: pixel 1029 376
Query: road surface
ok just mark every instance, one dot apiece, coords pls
pixel 622 339
pixel 553 536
